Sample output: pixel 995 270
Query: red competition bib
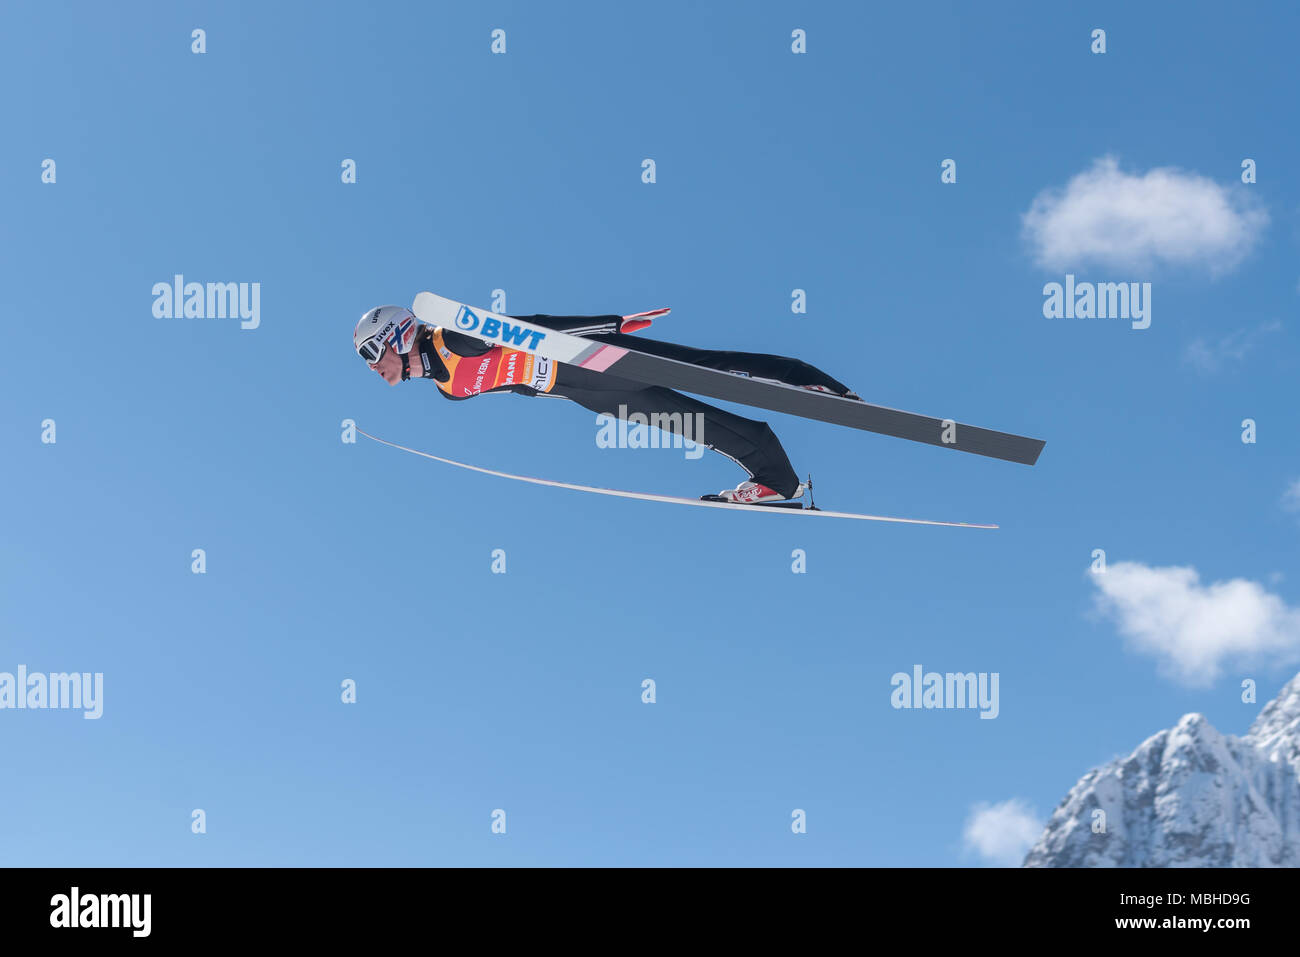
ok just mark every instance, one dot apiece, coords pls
pixel 470 375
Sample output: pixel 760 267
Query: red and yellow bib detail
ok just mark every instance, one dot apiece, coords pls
pixel 470 375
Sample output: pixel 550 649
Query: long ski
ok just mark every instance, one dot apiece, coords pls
pixel 789 509
pixel 670 373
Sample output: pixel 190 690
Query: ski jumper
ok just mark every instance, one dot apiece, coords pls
pixel 470 367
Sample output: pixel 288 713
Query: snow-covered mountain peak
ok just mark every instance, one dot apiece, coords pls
pixel 1276 731
pixel 1188 797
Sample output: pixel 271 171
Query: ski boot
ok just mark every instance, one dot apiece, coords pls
pixel 755 493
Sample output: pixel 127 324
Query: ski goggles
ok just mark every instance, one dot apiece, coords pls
pixel 372 350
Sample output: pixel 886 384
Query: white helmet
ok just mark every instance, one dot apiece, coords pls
pixel 382 327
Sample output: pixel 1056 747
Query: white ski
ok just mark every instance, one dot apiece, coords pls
pixel 675 500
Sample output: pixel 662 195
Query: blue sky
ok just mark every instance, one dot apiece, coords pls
pixel 522 172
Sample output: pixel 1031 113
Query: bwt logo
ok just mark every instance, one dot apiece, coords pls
pixel 498 330
pixel 465 319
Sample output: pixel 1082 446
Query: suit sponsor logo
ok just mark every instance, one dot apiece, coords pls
pixel 541 373
pixel 482 372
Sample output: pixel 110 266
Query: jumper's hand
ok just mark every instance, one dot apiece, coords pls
pixel 640 320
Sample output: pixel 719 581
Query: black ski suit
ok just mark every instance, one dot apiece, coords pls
pixel 749 443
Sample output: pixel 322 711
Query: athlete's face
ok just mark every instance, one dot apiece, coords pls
pixel 389 366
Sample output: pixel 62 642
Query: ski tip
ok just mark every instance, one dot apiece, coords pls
pixel 423 305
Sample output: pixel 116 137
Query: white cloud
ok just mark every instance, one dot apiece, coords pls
pixel 1291 497
pixel 1191 629
pixel 1210 357
pixel 1002 833
pixel 1107 217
